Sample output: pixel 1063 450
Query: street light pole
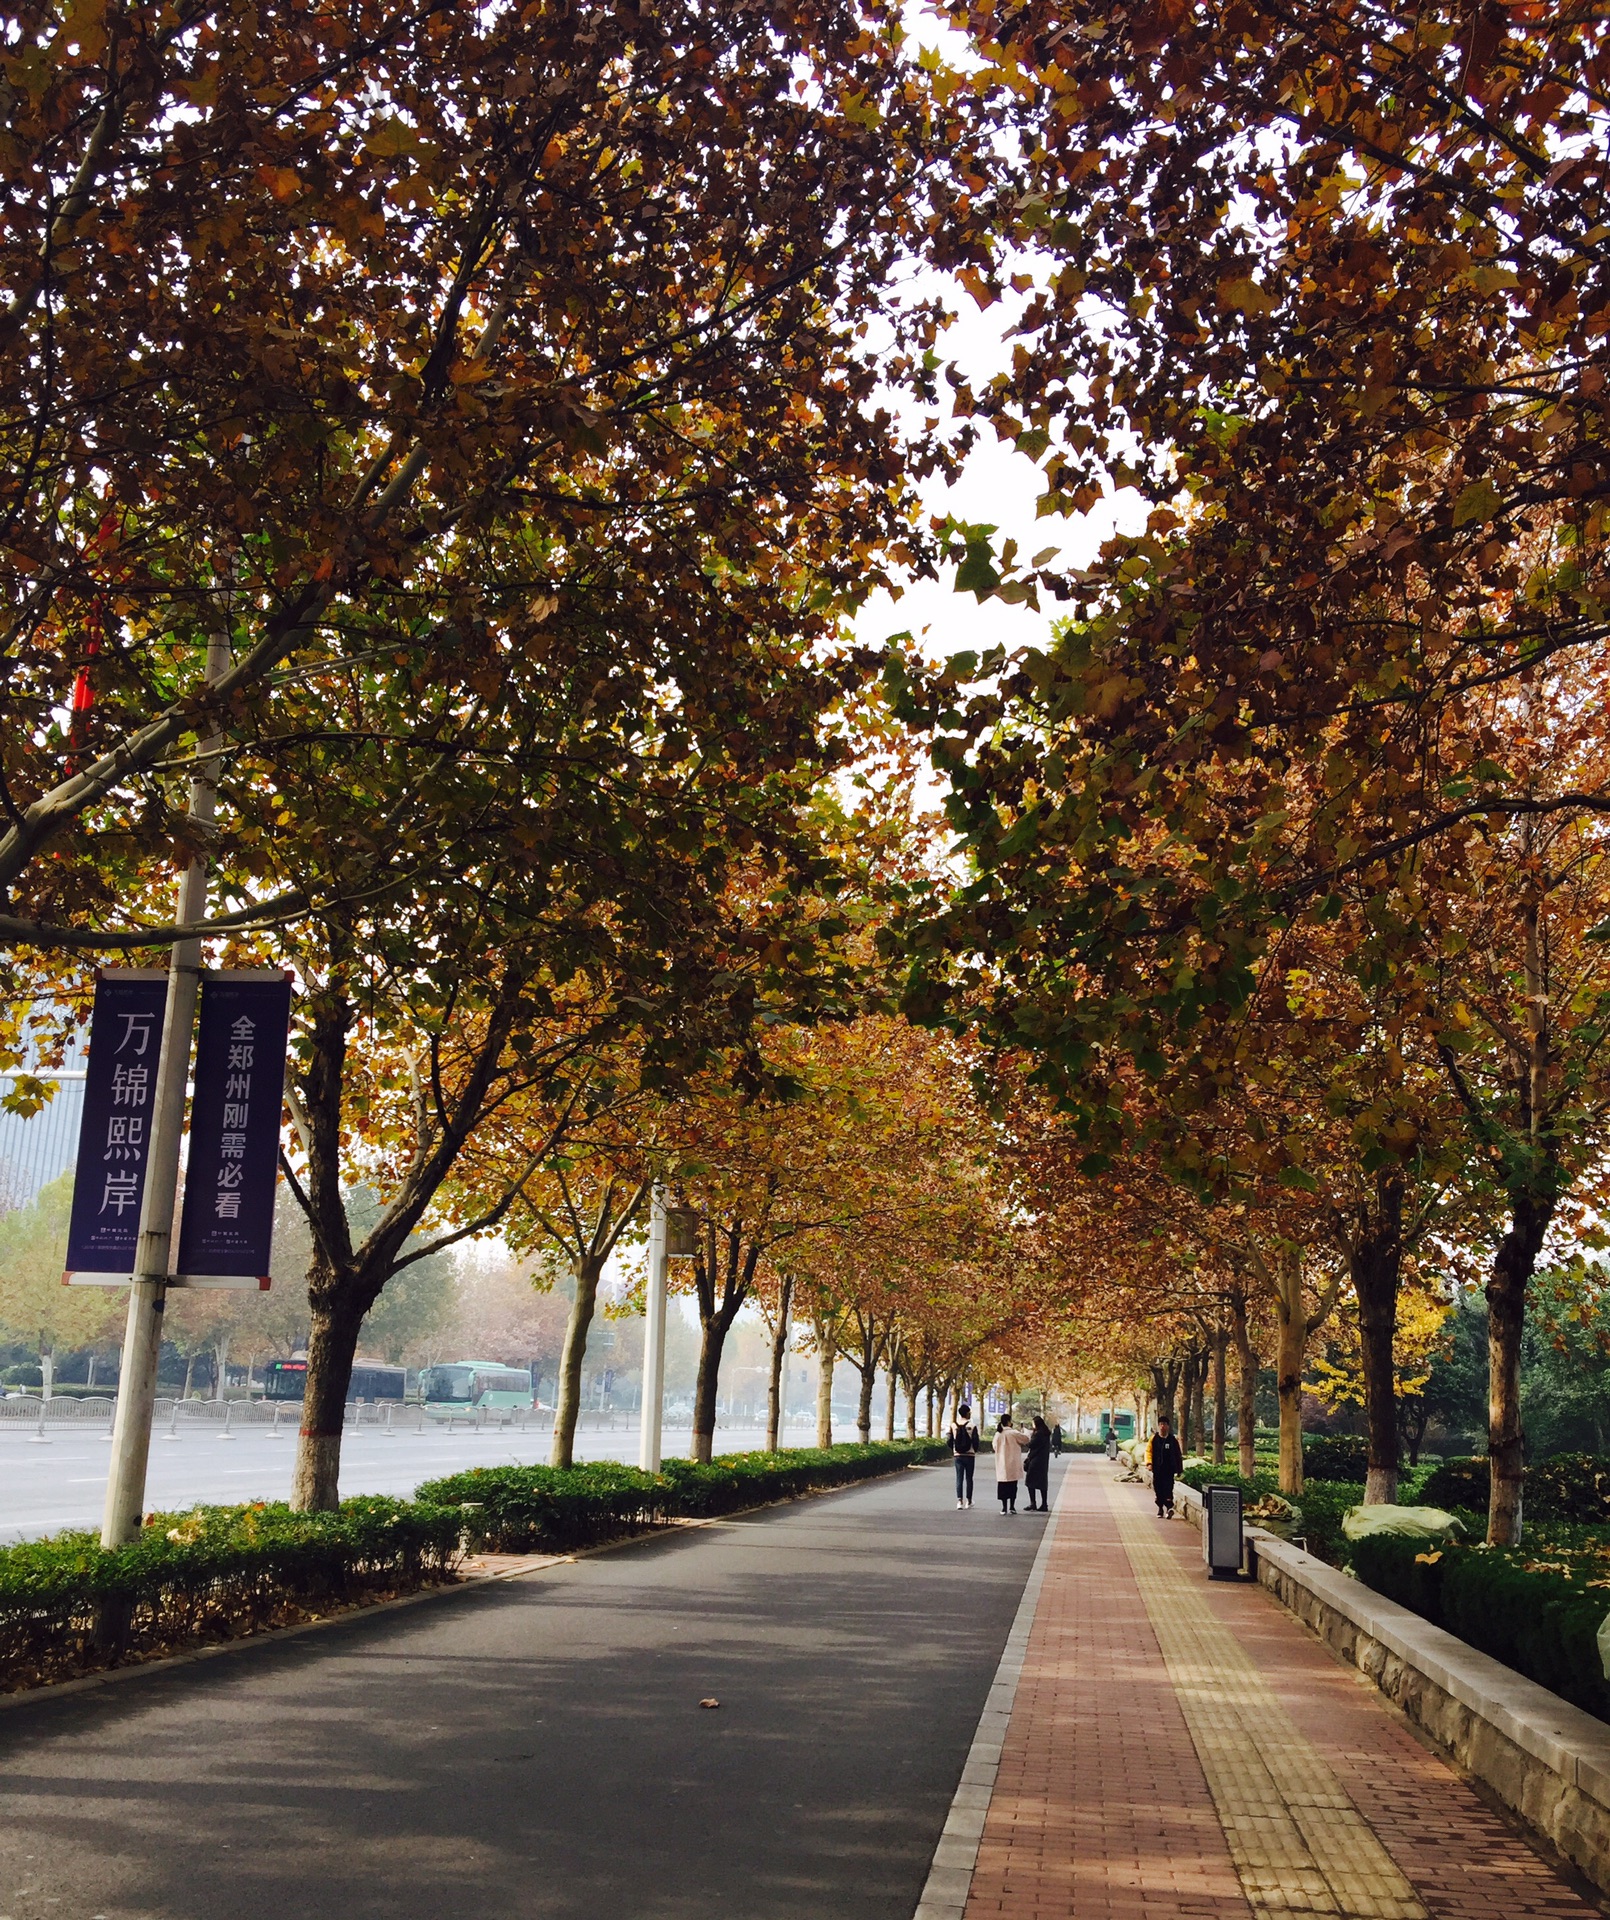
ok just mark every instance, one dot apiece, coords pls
pixel 648 1451
pixel 142 1333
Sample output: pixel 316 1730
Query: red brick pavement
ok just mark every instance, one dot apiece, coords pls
pixel 1075 1834
pixel 1073 1827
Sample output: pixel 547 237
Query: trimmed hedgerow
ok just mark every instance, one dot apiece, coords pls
pixel 1537 1608
pixel 68 1605
pixel 1335 1456
pixel 521 1509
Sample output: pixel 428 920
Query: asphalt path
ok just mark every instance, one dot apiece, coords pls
pixel 62 1483
pixel 536 1748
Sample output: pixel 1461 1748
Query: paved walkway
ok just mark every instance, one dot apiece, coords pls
pixel 1182 1748
pixel 536 1749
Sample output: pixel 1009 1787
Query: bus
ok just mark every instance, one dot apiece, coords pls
pixel 1122 1424
pixel 462 1388
pixel 371 1380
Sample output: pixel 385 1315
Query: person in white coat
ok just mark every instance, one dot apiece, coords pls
pixel 1008 1463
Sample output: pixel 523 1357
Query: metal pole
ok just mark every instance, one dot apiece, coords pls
pixel 142 1334
pixel 648 1451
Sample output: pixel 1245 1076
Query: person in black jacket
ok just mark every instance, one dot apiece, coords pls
pixel 964 1446
pixel 1037 1465
pixel 1164 1458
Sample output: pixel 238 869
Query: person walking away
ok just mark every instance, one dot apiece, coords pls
pixel 1037 1465
pixel 1164 1458
pixel 1008 1463
pixel 1056 1441
pixel 964 1445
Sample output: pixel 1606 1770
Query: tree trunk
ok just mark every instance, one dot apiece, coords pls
pixel 863 1408
pixel 894 1387
pixel 587 1271
pixel 775 1409
pixel 825 1356
pixel 220 1352
pixel 332 1342
pixel 1375 1261
pixel 47 1369
pixel 189 1374
pixel 928 1412
pixel 1220 1384
pixel 912 1391
pixel 1290 1351
pixel 712 1339
pixel 1246 1411
pixel 1513 1266
pixel 1165 1383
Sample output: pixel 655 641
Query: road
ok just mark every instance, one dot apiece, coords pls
pixel 537 1749
pixel 47 1488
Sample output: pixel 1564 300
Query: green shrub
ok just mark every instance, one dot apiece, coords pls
pixel 1457 1484
pixel 1335 1456
pixel 216 1572
pixel 1325 1503
pixel 1403 1570
pixel 519 1509
pixel 1571 1486
pixel 1211 1476
pixel 1537 1608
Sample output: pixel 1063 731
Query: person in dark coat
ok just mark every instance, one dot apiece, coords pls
pixel 1037 1465
pixel 964 1449
pixel 1164 1458
pixel 1056 1441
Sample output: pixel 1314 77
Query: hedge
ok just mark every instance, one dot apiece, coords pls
pixel 217 1573
pixel 521 1509
pixel 67 1605
pixel 1571 1486
pixel 1537 1608
pixel 1335 1456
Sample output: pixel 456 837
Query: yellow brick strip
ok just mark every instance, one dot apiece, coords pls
pixel 1297 1841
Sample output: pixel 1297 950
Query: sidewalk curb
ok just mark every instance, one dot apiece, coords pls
pixel 950 1877
pixel 469 1583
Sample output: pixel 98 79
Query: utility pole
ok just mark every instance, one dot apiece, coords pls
pixel 142 1333
pixel 648 1452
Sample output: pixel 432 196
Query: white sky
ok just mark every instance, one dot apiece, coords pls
pixel 999 488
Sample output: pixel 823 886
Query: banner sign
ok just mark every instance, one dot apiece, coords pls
pixel 227 1229
pixel 114 1137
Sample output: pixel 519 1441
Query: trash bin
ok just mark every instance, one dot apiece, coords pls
pixel 1221 1531
pixel 1112 1446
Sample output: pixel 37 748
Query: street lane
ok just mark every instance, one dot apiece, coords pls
pixel 49 1488
pixel 536 1750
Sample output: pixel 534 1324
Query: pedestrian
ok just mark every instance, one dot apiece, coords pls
pixel 964 1445
pixel 1008 1463
pixel 1164 1458
pixel 1037 1465
pixel 1056 1441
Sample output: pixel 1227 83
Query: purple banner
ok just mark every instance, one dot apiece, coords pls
pixel 114 1137
pixel 227 1229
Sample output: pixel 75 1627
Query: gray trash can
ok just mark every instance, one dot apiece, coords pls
pixel 1221 1531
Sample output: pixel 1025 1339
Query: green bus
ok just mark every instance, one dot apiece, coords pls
pixel 1122 1424
pixel 464 1389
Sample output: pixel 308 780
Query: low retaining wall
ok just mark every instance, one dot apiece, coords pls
pixel 1548 1761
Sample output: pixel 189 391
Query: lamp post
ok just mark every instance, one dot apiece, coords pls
pixel 142 1336
pixel 648 1449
